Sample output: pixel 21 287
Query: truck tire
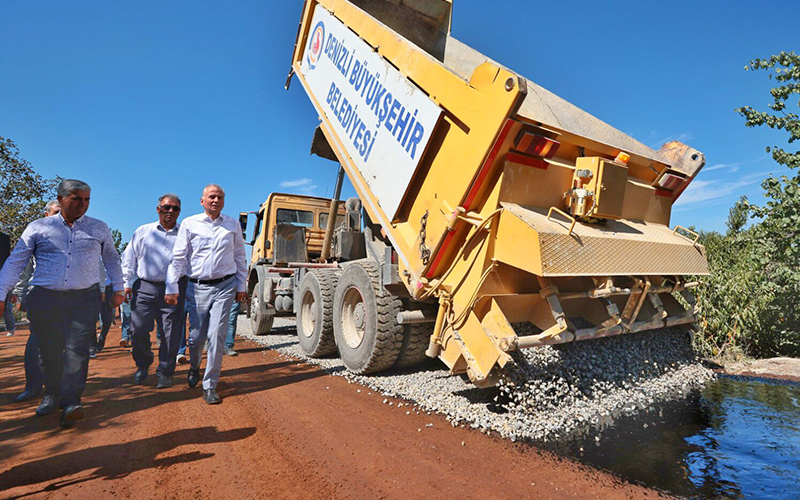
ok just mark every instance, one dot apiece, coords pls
pixel 260 321
pixel 365 320
pixel 315 312
pixel 416 339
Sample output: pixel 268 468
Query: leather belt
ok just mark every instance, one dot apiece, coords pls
pixel 157 283
pixel 211 282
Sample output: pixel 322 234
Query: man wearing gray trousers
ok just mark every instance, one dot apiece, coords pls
pixel 144 266
pixel 210 250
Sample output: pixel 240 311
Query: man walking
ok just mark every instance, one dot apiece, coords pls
pixel 106 314
pixel 34 378
pixel 144 264
pixel 65 300
pixel 5 250
pixel 210 251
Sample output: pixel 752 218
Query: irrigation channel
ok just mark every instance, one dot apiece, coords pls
pixel 737 438
pixel 732 437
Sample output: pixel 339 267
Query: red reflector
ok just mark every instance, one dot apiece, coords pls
pixel 671 182
pixel 536 145
pixel 526 160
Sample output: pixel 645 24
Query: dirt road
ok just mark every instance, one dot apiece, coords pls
pixel 284 430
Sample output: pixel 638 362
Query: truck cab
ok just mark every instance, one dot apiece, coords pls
pixel 287 238
pixel 309 213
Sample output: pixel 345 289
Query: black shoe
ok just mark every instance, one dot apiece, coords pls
pixel 70 415
pixel 211 397
pixel 163 382
pixel 93 352
pixel 47 406
pixel 230 352
pixel 140 376
pixel 27 395
pixel 194 377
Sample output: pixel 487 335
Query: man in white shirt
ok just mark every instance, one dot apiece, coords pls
pixel 210 251
pixel 144 265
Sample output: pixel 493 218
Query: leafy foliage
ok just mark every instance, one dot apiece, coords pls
pixel 116 235
pixel 785 68
pixel 752 299
pixel 23 191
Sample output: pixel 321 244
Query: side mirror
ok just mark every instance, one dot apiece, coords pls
pixel 243 223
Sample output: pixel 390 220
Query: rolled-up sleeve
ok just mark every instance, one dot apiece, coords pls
pixel 180 254
pixel 129 261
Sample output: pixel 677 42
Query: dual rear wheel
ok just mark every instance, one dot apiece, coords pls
pixel 346 310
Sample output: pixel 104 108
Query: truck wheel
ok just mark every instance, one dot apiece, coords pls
pixel 365 320
pixel 260 321
pixel 416 339
pixel 315 312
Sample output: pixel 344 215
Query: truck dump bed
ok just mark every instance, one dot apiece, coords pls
pixel 505 204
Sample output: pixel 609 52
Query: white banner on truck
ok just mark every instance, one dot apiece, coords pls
pixel 383 120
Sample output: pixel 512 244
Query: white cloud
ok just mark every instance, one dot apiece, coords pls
pixel 296 183
pixel 719 166
pixel 680 137
pixel 704 191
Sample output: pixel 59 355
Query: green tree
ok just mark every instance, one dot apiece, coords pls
pixel 23 191
pixel 117 237
pixel 751 301
pixel 785 69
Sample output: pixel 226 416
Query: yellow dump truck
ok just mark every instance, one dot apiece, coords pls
pixel 497 216
pixel 287 239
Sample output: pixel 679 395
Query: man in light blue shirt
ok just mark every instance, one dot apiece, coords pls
pixel 144 265
pixel 34 378
pixel 64 302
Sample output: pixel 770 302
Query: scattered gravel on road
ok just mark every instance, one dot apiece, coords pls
pixel 552 392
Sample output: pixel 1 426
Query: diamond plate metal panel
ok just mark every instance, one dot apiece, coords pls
pixel 618 248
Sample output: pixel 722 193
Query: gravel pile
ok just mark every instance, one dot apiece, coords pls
pixel 552 392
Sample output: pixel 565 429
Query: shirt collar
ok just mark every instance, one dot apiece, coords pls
pixel 76 221
pixel 207 218
pixel 162 228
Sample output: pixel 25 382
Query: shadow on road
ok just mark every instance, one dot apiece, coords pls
pixel 117 460
pixel 107 398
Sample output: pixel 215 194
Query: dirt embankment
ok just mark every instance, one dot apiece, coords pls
pixel 284 430
pixel 772 368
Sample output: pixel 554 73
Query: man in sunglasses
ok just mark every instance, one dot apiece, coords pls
pixel 144 266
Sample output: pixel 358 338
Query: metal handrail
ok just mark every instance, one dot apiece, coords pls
pixel 561 212
pixel 696 236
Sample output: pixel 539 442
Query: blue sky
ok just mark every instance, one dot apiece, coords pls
pixel 139 98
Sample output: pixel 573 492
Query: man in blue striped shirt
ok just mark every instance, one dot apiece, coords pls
pixel 65 300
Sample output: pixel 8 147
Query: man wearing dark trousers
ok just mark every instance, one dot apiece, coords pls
pixel 65 300
pixel 144 264
pixel 34 378
pixel 106 314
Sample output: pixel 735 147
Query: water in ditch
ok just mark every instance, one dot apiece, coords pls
pixel 737 438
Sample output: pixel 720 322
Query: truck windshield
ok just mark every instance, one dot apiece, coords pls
pixel 295 217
